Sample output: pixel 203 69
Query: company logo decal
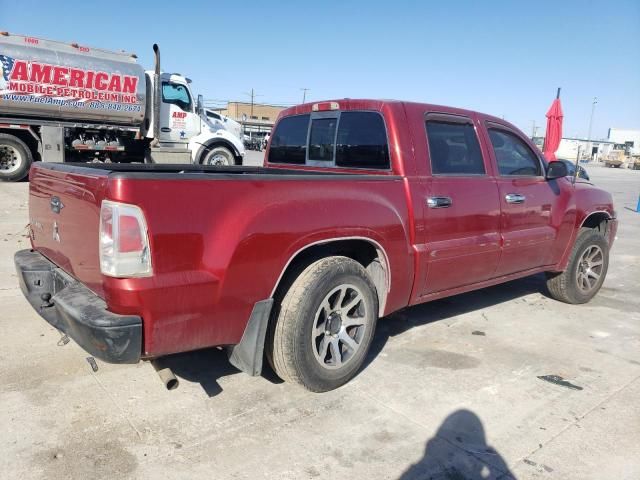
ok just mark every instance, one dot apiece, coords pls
pixel 35 82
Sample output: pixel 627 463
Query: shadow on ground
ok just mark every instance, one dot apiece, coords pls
pixel 207 366
pixel 438 310
pixel 459 451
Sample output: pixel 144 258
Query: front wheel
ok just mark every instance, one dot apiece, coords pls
pixel 325 325
pixel 15 158
pixel 585 272
pixel 219 156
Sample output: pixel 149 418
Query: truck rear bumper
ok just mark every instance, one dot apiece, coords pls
pixel 75 310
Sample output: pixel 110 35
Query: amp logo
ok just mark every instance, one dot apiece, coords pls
pixel 179 114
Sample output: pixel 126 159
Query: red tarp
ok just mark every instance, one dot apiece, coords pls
pixel 554 130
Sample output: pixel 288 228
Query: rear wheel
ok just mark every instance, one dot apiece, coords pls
pixel 585 272
pixel 325 325
pixel 15 158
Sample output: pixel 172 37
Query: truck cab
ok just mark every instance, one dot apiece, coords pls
pixel 184 124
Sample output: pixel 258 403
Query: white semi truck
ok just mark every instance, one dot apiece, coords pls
pixel 67 102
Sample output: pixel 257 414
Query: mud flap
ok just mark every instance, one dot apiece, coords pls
pixel 247 355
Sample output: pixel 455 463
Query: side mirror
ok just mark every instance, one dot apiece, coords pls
pixel 200 105
pixel 556 170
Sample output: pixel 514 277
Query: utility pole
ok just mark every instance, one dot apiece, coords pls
pixel 533 129
pixel 593 107
pixel 304 94
pixel 253 95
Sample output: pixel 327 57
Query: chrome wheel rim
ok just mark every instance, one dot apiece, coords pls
pixel 10 159
pixel 339 326
pixel 589 269
pixel 218 158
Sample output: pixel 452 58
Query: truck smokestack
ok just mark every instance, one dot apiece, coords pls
pixel 157 92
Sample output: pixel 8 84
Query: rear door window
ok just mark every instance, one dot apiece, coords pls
pixel 454 149
pixel 362 141
pixel 289 141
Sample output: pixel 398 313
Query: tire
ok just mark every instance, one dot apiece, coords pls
pixel 15 158
pixel 219 156
pixel 336 295
pixel 586 270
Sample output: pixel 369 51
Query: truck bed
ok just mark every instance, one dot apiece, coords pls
pixel 160 171
pixel 210 229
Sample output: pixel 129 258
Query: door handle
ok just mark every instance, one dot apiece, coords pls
pixel 514 198
pixel 439 202
pixel 165 129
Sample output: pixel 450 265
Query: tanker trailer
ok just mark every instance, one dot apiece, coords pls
pixel 63 102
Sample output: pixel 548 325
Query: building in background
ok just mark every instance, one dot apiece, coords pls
pixel 628 140
pixel 568 148
pixel 600 149
pixel 257 119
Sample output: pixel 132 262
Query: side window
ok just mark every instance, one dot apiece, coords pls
pixel 321 139
pixel 454 149
pixel 514 157
pixel 176 94
pixel 362 141
pixel 289 140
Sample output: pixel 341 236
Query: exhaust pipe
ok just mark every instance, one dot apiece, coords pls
pixel 157 92
pixel 166 375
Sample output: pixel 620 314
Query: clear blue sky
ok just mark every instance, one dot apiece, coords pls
pixel 500 57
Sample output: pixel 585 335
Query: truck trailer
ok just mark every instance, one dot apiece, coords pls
pixel 64 102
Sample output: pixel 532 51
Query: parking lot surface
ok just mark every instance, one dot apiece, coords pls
pixel 451 389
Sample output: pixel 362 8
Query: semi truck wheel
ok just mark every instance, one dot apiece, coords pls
pixel 325 325
pixel 586 270
pixel 220 156
pixel 15 158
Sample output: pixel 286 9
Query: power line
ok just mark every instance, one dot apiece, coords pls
pixel 304 94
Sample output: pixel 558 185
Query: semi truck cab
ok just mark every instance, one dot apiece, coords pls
pixel 184 124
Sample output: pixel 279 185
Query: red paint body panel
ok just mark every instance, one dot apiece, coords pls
pixel 219 242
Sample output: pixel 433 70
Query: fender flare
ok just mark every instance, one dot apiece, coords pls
pixel 216 141
pixel 565 256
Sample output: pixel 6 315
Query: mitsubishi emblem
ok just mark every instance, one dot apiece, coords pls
pixel 56 204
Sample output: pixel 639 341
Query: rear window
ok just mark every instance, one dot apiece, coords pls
pixel 322 139
pixel 359 142
pixel 362 141
pixel 289 141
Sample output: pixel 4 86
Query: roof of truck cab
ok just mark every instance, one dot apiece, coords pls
pixel 378 104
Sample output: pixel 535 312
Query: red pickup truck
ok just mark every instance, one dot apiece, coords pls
pixel 362 207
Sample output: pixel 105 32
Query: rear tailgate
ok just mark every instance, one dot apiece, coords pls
pixel 64 214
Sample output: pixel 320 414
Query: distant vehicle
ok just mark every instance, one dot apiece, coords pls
pixel 615 159
pixel 62 102
pixel 571 169
pixel 362 208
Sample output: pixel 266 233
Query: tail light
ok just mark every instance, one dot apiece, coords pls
pixel 124 243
